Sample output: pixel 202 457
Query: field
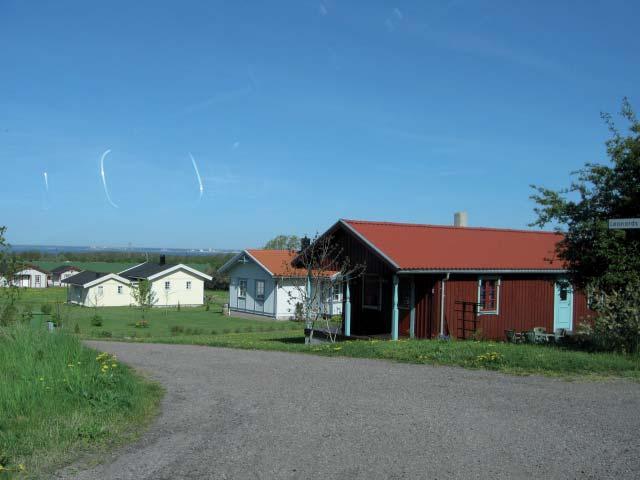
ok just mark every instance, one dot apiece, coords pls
pixel 109 267
pixel 58 398
pixel 120 322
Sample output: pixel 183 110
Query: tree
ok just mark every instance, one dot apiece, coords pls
pixel 317 271
pixel 283 242
pixel 602 261
pixel 596 256
pixel 144 296
pixel 10 290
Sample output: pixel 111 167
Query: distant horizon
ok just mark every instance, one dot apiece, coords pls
pixel 46 248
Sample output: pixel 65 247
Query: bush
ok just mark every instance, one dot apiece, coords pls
pixel 76 329
pixel 617 324
pixel 27 313
pixel 46 308
pixel 96 321
pixel 176 330
pixel 299 312
pixel 106 334
pixel 142 324
pixel 214 332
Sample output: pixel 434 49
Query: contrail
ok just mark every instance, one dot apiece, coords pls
pixel 46 181
pixel 195 167
pixel 104 178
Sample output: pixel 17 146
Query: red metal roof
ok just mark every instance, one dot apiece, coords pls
pixel 436 247
pixel 278 262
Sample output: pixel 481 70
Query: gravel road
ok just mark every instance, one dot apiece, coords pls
pixel 236 414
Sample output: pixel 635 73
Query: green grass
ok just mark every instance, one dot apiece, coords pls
pixel 56 400
pixel 503 357
pixel 110 267
pixel 119 322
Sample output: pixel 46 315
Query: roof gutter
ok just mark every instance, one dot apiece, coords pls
pixel 479 271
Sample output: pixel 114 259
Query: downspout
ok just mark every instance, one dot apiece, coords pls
pixel 442 284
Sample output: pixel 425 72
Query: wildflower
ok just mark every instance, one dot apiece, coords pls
pixel 337 348
pixel 1 468
pixel 79 363
pixel 114 365
pixel 42 379
pixel 70 365
pixel 21 467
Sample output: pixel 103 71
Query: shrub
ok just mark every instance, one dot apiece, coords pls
pixel 96 321
pixel 106 334
pixel 299 312
pixel 176 329
pixel 76 329
pixel 617 324
pixel 214 332
pixel 27 313
pixel 142 324
pixel 46 308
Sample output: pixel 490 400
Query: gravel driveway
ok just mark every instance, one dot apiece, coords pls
pixel 236 414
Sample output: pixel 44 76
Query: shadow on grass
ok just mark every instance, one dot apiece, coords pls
pixel 288 340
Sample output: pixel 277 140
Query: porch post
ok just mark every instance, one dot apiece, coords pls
pixel 412 324
pixel 394 317
pixel 347 311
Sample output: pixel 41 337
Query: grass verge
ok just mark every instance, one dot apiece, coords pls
pixel 503 357
pixel 59 399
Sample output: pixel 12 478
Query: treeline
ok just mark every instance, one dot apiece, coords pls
pixel 214 260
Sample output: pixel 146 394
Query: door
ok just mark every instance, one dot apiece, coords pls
pixel 404 307
pixel 563 306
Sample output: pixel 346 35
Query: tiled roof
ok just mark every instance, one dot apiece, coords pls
pixel 278 262
pixel 434 247
pixel 83 278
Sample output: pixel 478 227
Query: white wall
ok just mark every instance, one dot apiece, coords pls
pixel 27 278
pixel 290 291
pixel 178 292
pixel 104 294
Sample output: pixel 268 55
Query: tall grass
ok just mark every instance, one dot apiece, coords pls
pixel 58 398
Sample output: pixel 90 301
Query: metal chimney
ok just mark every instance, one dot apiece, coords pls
pixel 163 259
pixel 460 219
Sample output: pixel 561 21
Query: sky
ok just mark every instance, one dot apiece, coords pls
pixel 227 123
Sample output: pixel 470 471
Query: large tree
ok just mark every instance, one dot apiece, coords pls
pixel 597 256
pixel 283 242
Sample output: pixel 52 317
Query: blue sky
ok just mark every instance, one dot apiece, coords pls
pixel 297 113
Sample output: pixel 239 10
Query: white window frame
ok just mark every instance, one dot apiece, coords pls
pixel 364 281
pixel 100 290
pixel 188 284
pixel 336 292
pixel 37 279
pixel 119 289
pixel 167 285
pixel 246 284
pixel 496 311
pixel 260 298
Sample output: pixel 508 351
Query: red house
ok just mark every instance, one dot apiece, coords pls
pixel 428 280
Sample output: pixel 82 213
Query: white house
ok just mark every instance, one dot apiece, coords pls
pixel 96 289
pixel 29 276
pixel 172 285
pixel 263 282
pixel 62 272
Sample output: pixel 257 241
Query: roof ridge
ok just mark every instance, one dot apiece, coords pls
pixel 448 227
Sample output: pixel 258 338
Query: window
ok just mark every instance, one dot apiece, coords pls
pixel 100 290
pixel 119 289
pixel 188 284
pixel 242 288
pixel 337 293
pixel 488 295
pixel 371 292
pixel 37 279
pixel 167 285
pixel 404 294
pixel 260 290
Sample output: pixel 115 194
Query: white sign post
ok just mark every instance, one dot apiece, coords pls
pixel 624 223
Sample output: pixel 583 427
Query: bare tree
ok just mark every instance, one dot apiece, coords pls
pixel 318 269
pixel 10 290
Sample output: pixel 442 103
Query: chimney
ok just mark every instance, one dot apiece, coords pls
pixel 305 242
pixel 460 219
pixel 163 259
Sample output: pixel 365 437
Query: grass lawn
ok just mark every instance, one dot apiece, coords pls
pixel 58 398
pixel 504 357
pixel 119 322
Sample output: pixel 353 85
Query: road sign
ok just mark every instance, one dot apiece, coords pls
pixel 624 223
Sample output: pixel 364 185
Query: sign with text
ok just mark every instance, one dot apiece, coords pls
pixel 624 223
